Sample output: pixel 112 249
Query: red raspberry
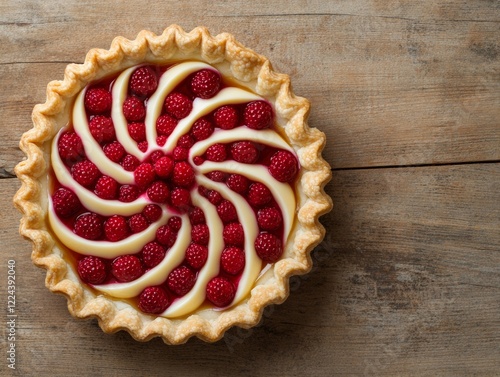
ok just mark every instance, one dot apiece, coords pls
pixel 200 234
pixel 152 254
pixel 164 167
pixel 65 202
pixel 153 300
pixel 143 146
pixel 227 211
pixel 245 152
pixel 106 188
pixel 283 166
pixel 214 197
pixel 114 151
pixel 158 192
pixel 98 100
pixel 226 117
pixel 217 176
pixel 70 147
pixel 268 247
pixel 137 131
pixel 220 291
pixel 196 255
pixel 232 260
pixel 144 175
pixel 259 194
pixel 198 160
pixel 137 223
pixel 205 83
pixel 161 140
pixel 133 109
pixel 181 280
pixel 116 228
pixel 269 218
pixel 128 193
pixel 126 268
pixel 102 129
pixel 202 129
pixel 216 152
pixel 155 156
pixel 196 216
pixel 165 125
pixel 258 115
pixel 238 183
pixel 233 234
pixel 152 212
pixel 143 81
pixel 166 236
pixel 89 226
pixel 130 163
pixel 85 173
pixel 92 270
pixel 175 223
pixel 178 105
pixel 180 198
pixel 180 154
pixel 183 174
pixel 185 141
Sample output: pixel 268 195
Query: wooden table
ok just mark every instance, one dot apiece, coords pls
pixel 407 281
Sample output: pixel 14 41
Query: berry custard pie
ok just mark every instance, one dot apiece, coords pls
pixel 172 186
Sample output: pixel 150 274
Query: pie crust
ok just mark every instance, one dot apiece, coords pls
pixel 248 69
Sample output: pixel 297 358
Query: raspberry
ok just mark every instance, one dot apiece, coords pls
pixel 268 247
pixel 128 193
pixel 185 141
pixel 180 198
pixel 155 156
pixel 196 255
pixel 232 260
pixel 153 300
pixel 180 154
pixel 161 140
pixel 233 234
pixel 92 270
pixel 216 152
pixel 181 280
pixel 214 197
pixel 226 117
pixel 269 218
pixel 143 81
pixel 202 129
pixel 152 212
pixel 198 160
pixel 175 223
pixel 144 174
pixel 130 163
pixel 137 223
pixel 205 83
pixel 126 268
pixel 166 236
pixel 70 147
pixel 106 188
pixel 158 192
pixel 259 194
pixel 220 291
pixel 183 174
pixel 237 183
pixel 114 151
pixel 178 105
pixel 137 131
pixel 165 125
pixel 133 109
pixel 143 146
pixel 200 234
pixel 164 167
pixel 65 202
pixel 89 226
pixel 245 152
pixel 227 211
pixel 102 129
pixel 152 254
pixel 85 173
pixel 258 115
pixel 98 100
pixel 217 176
pixel 283 166
pixel 116 228
pixel 196 216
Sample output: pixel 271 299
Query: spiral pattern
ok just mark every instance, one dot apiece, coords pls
pixel 169 80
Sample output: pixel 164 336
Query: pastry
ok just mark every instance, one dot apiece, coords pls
pixel 172 186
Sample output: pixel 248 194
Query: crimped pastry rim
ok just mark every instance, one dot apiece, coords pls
pixel 250 69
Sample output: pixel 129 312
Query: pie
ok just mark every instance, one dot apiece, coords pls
pixel 172 186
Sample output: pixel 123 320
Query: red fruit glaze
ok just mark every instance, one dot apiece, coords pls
pixel 181 280
pixel 65 202
pixel 102 129
pixel 143 81
pixel 97 100
pixel 70 147
pixel 268 247
pixel 85 173
pixel 220 291
pixel 196 255
pixel 178 105
pixel 205 83
pixel 258 115
pixel 232 260
pixel 126 268
pixel 133 109
pixel 153 300
pixel 92 270
pixel 226 117
pixel 89 226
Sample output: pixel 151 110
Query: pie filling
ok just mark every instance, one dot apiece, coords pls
pixel 172 188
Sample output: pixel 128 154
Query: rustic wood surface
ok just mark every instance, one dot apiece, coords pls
pixel 407 281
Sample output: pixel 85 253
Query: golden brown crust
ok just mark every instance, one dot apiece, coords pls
pixel 251 70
